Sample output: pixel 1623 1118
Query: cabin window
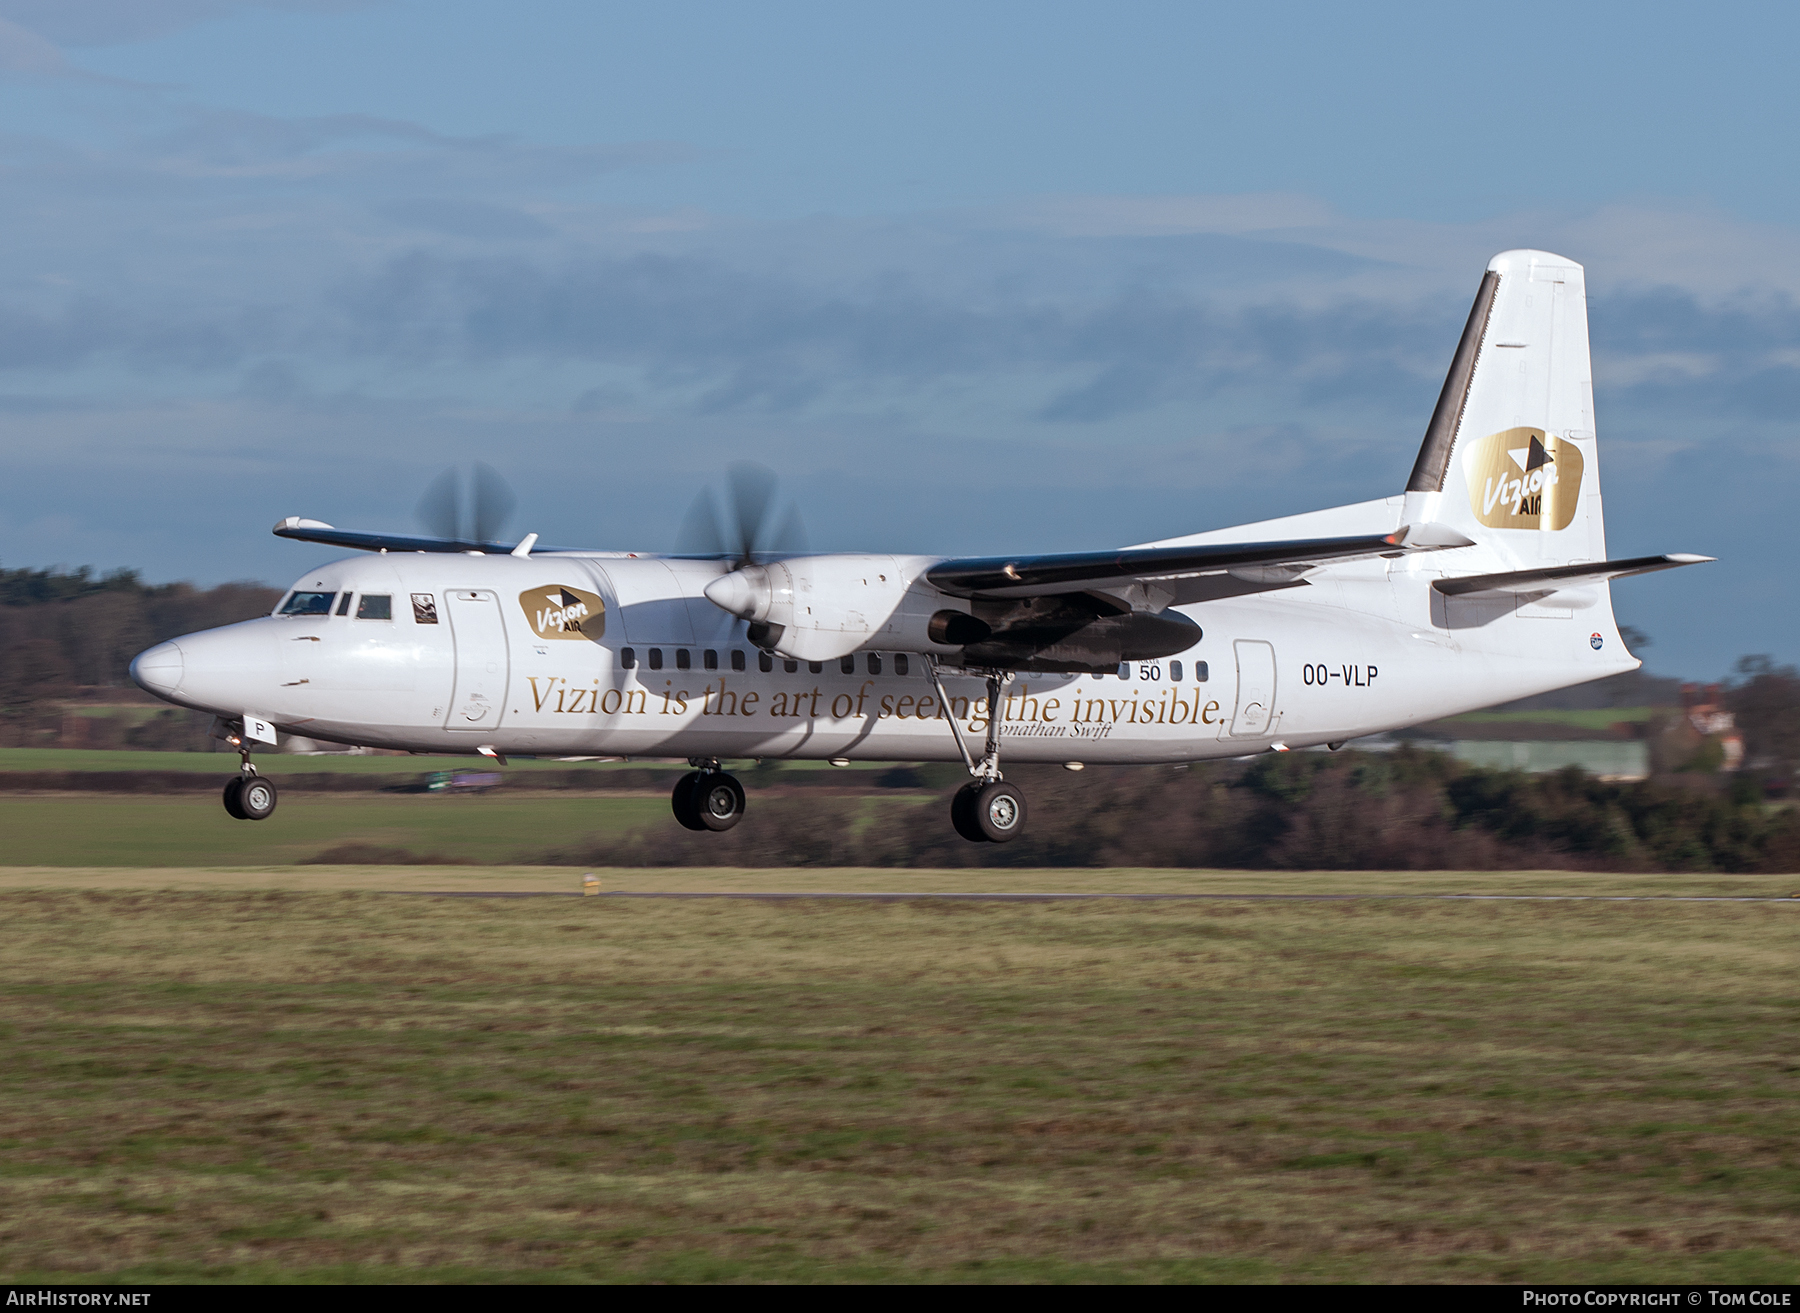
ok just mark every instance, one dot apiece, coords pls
pixel 627 658
pixel 709 659
pixel 424 609
pixel 737 658
pixel 656 658
pixel 765 662
pixel 790 666
pixel 874 663
pixel 682 660
pixel 816 667
pixel 1199 672
pixel 1125 670
pixel 847 665
pixel 309 604
pixel 1099 675
pixel 375 606
pixel 1175 671
pixel 900 663
pixel 344 606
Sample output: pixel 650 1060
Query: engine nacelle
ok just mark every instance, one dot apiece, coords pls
pixel 820 608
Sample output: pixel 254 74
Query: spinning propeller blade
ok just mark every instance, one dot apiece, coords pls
pixel 750 528
pixel 476 514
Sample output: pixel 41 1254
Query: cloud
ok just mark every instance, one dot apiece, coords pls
pixel 117 22
pixel 476 220
pixel 312 315
pixel 1164 216
pixel 24 51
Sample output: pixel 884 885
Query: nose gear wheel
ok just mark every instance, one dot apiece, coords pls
pixel 248 796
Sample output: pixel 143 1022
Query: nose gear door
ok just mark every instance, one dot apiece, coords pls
pixel 1256 689
pixel 482 663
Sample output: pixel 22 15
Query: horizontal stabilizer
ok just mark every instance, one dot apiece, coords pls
pixel 1275 564
pixel 317 531
pixel 1554 578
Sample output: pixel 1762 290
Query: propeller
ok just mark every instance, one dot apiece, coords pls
pixel 747 525
pixel 476 513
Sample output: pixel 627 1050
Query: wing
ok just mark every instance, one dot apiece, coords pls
pixel 1556 577
pixel 317 531
pixel 1197 572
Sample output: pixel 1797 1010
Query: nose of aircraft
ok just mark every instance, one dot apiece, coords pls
pixel 158 669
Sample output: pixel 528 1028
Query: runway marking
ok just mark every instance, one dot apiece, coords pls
pixel 1141 898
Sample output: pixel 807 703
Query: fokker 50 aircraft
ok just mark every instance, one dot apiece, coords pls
pixel 1486 579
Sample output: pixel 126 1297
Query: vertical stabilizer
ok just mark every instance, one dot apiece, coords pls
pixel 1509 457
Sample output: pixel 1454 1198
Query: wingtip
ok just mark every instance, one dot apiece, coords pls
pixel 299 522
pixel 1688 558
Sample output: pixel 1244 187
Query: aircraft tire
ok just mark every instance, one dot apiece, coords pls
pixel 962 812
pixel 256 798
pixel 718 801
pixel 233 807
pixel 1000 812
pixel 682 801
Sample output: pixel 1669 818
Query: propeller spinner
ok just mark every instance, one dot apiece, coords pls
pixel 747 529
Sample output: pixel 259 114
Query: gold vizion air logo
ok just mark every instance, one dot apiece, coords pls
pixel 1523 479
pixel 559 611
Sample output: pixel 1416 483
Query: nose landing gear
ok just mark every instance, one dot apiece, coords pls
pixel 248 796
pixel 707 798
pixel 986 809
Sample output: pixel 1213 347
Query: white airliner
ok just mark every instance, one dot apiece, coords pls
pixel 1486 579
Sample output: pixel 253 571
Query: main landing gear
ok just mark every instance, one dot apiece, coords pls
pixel 248 796
pixel 706 798
pixel 986 809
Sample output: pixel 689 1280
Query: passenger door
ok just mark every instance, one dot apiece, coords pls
pixel 1256 689
pixel 482 665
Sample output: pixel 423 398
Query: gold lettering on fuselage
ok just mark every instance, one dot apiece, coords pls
pixel 1022 714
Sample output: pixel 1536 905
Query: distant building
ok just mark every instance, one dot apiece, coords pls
pixel 1709 719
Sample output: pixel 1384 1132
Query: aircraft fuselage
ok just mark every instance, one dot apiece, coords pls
pixel 459 653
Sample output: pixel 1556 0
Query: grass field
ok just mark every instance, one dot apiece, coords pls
pixel 1595 718
pixel 319 1081
pixel 193 830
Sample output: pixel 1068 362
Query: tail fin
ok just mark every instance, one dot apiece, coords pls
pixel 1509 457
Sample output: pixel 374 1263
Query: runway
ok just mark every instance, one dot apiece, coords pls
pixel 901 897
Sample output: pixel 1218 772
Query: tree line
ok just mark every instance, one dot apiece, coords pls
pixel 1410 809
pixel 62 631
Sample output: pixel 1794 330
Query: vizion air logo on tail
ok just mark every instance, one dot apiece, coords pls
pixel 1523 479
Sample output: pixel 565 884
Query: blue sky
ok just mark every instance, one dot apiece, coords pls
pixel 971 277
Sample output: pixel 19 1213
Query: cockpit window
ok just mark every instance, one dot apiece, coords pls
pixel 308 604
pixel 375 606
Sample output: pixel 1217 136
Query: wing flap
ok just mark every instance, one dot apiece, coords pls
pixel 1553 578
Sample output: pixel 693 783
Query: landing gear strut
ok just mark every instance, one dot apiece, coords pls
pixel 706 798
pixel 986 809
pixel 248 796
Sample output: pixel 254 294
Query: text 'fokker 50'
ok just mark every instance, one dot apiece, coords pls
pixel 1487 579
